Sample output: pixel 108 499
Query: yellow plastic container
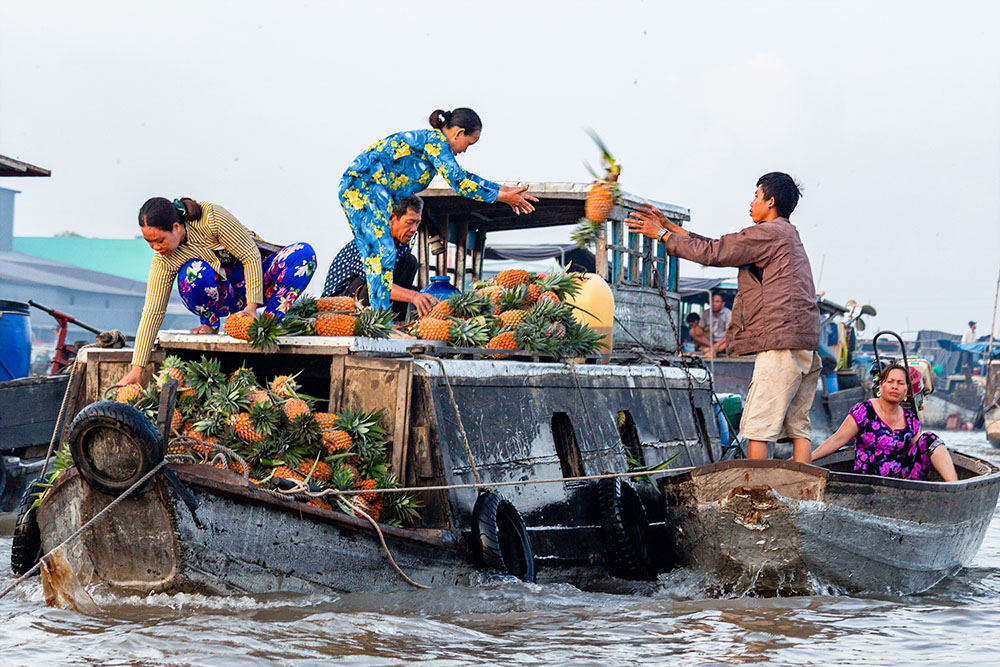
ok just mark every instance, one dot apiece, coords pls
pixel 596 298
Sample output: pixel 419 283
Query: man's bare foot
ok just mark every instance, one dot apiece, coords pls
pixel 402 335
pixel 205 329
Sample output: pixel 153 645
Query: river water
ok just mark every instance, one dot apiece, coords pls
pixel 957 621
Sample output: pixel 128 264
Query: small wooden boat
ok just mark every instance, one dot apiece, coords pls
pixel 786 527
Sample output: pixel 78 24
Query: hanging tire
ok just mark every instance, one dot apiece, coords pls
pixel 26 546
pixel 500 542
pixel 113 446
pixel 625 529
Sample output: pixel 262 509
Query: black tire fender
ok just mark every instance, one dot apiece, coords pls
pixel 500 541
pixel 26 546
pixel 625 529
pixel 113 446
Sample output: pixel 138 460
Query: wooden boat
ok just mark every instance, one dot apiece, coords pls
pixel 525 421
pixel 786 527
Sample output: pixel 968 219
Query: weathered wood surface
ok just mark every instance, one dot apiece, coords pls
pixel 790 527
pixel 28 410
pixel 641 319
pixel 106 367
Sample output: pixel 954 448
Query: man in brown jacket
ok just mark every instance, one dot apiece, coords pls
pixel 775 315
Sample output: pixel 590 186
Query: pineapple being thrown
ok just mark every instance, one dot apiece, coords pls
pixel 601 199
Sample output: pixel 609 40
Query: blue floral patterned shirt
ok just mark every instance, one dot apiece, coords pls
pixel 404 163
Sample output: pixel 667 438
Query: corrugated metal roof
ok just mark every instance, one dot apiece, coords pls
pixel 17 267
pixel 125 258
pixel 11 167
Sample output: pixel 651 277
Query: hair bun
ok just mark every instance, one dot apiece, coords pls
pixel 440 118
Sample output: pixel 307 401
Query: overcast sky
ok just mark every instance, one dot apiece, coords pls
pixel 888 113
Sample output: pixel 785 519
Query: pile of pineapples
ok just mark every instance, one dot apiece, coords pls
pixel 274 429
pixel 309 316
pixel 516 310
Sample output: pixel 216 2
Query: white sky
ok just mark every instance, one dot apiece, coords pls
pixel 888 113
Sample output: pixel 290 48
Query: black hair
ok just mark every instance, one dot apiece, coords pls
pixel 783 188
pixel 971 323
pixel 692 317
pixel 414 203
pixel 467 119
pixel 162 213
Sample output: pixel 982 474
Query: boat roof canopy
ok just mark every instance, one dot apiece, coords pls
pixel 559 204
pixel 11 167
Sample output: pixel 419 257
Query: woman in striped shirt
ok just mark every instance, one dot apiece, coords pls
pixel 190 240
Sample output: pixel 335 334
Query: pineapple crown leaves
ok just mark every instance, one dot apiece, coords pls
pixel 611 166
pixel 298 326
pixel 365 429
pixel 243 377
pixel 265 417
pixel 513 298
pixel 304 307
pixel 231 398
pixel 587 233
pixel 563 283
pixel 263 332
pixel 374 323
pixel 206 376
pixel 470 303
pixel 305 430
pixel 474 332
pixel 173 361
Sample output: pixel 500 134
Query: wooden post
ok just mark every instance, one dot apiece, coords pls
pixel 422 255
pixel 479 249
pixel 461 243
pixel 442 259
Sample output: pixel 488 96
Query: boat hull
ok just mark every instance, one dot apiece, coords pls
pixel 780 526
pixel 238 540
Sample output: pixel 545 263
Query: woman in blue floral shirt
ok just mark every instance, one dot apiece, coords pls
pixel 401 165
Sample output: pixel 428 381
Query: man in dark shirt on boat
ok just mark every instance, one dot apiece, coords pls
pixel 774 315
pixel 346 276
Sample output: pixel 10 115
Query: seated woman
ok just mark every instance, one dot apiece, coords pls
pixel 190 241
pixel 887 439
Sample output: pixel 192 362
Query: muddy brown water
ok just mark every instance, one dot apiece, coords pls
pixel 673 622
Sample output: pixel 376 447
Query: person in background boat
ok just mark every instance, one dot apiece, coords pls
pixel 190 240
pixel 720 319
pixel 402 165
pixel 970 335
pixel 775 315
pixel 887 438
pixel 347 273
pixel 695 334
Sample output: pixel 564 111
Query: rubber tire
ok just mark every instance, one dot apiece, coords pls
pixel 130 423
pixel 500 542
pixel 625 529
pixel 26 546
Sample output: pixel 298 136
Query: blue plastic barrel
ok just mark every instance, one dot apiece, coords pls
pixel 440 288
pixel 15 340
pixel 831 383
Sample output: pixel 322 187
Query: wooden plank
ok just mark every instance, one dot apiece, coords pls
pixel 477 255
pixel 372 383
pixel 423 253
pixel 601 258
pixel 442 259
pixel 336 383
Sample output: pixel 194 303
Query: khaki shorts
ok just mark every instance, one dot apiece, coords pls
pixel 781 393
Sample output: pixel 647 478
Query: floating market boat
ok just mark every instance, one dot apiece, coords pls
pixel 453 418
pixel 785 527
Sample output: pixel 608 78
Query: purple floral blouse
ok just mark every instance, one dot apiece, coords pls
pixel 881 450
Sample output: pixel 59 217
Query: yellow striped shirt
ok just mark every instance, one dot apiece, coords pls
pixel 215 229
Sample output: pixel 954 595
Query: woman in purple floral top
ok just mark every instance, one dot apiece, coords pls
pixel 887 439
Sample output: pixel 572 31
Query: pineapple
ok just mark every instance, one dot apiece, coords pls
pixel 259 396
pixel 304 307
pixel 285 386
pixel 512 278
pixel 243 377
pixel 257 423
pixel 238 326
pixel 129 393
pixel 549 296
pixel 205 376
pixel 177 422
pixel 366 433
pixel 470 303
pixel 509 319
pixel 344 477
pixel 293 407
pixel 601 199
pixel 562 284
pixel 429 328
pixel 335 324
pixel 287 473
pixel 319 502
pixel 441 310
pixel 304 429
pixel 336 303
pixel 325 419
pixel 173 367
pixel 513 298
pixel 263 332
pixel 335 440
pixel 315 470
pixel 468 333
pixel 532 292
pixel 502 341
pixel 243 426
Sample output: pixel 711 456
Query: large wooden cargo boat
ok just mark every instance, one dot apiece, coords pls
pixel 470 425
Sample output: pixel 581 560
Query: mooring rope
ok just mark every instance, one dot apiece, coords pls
pixel 79 531
pixel 385 547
